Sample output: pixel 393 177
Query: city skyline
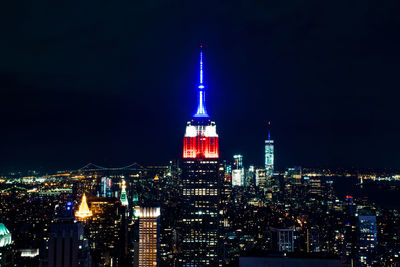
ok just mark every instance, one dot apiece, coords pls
pixel 200 210
pixel 97 89
pixel 192 134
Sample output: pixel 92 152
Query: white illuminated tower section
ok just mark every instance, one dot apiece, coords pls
pixel 269 153
pixel 200 178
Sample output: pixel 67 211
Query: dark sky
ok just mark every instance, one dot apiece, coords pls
pixel 113 82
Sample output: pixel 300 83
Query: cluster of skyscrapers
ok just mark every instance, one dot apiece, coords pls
pixel 203 211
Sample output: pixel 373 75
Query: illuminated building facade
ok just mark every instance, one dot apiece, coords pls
pixel 269 153
pixel 200 191
pixel 148 236
pixel 106 231
pixel 238 171
pixel 260 178
pixel 367 236
pixel 105 187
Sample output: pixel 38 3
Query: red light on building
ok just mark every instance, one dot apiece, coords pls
pixel 200 147
pixel 349 197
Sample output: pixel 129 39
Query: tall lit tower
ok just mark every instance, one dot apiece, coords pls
pixel 200 178
pixel 269 153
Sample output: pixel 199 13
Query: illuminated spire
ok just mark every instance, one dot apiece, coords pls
pixel 83 211
pixel 123 198
pixel 269 130
pixel 201 107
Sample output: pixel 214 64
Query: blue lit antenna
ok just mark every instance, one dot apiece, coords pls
pixel 269 130
pixel 201 107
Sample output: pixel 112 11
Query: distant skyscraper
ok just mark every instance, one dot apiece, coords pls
pixel 238 171
pixel 269 153
pixel 148 237
pixel 123 198
pixel 283 239
pixel 200 178
pixel 260 178
pixel 105 187
pixel 250 176
pixel 6 252
pixel 106 231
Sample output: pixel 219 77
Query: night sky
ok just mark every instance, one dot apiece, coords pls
pixel 114 82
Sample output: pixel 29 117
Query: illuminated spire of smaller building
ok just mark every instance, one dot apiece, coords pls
pixel 123 198
pixel 84 211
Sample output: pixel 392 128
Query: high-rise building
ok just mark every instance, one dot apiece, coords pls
pixel 250 179
pixel 67 243
pixel 294 175
pixel 105 187
pixel 367 236
pixel 238 171
pixel 200 184
pixel 260 178
pixel 106 231
pixel 6 252
pixel 148 237
pixel 269 153
pixel 283 239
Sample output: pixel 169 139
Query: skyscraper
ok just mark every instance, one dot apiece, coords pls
pixel 200 178
pixel 283 239
pixel 67 243
pixel 238 171
pixel 105 187
pixel 260 178
pixel 148 236
pixel 269 153
pixel 367 236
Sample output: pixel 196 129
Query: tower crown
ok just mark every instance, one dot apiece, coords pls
pixel 201 138
pixel 84 210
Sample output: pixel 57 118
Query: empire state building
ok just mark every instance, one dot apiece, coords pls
pixel 200 180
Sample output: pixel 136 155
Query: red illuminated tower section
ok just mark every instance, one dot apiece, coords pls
pixel 201 138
